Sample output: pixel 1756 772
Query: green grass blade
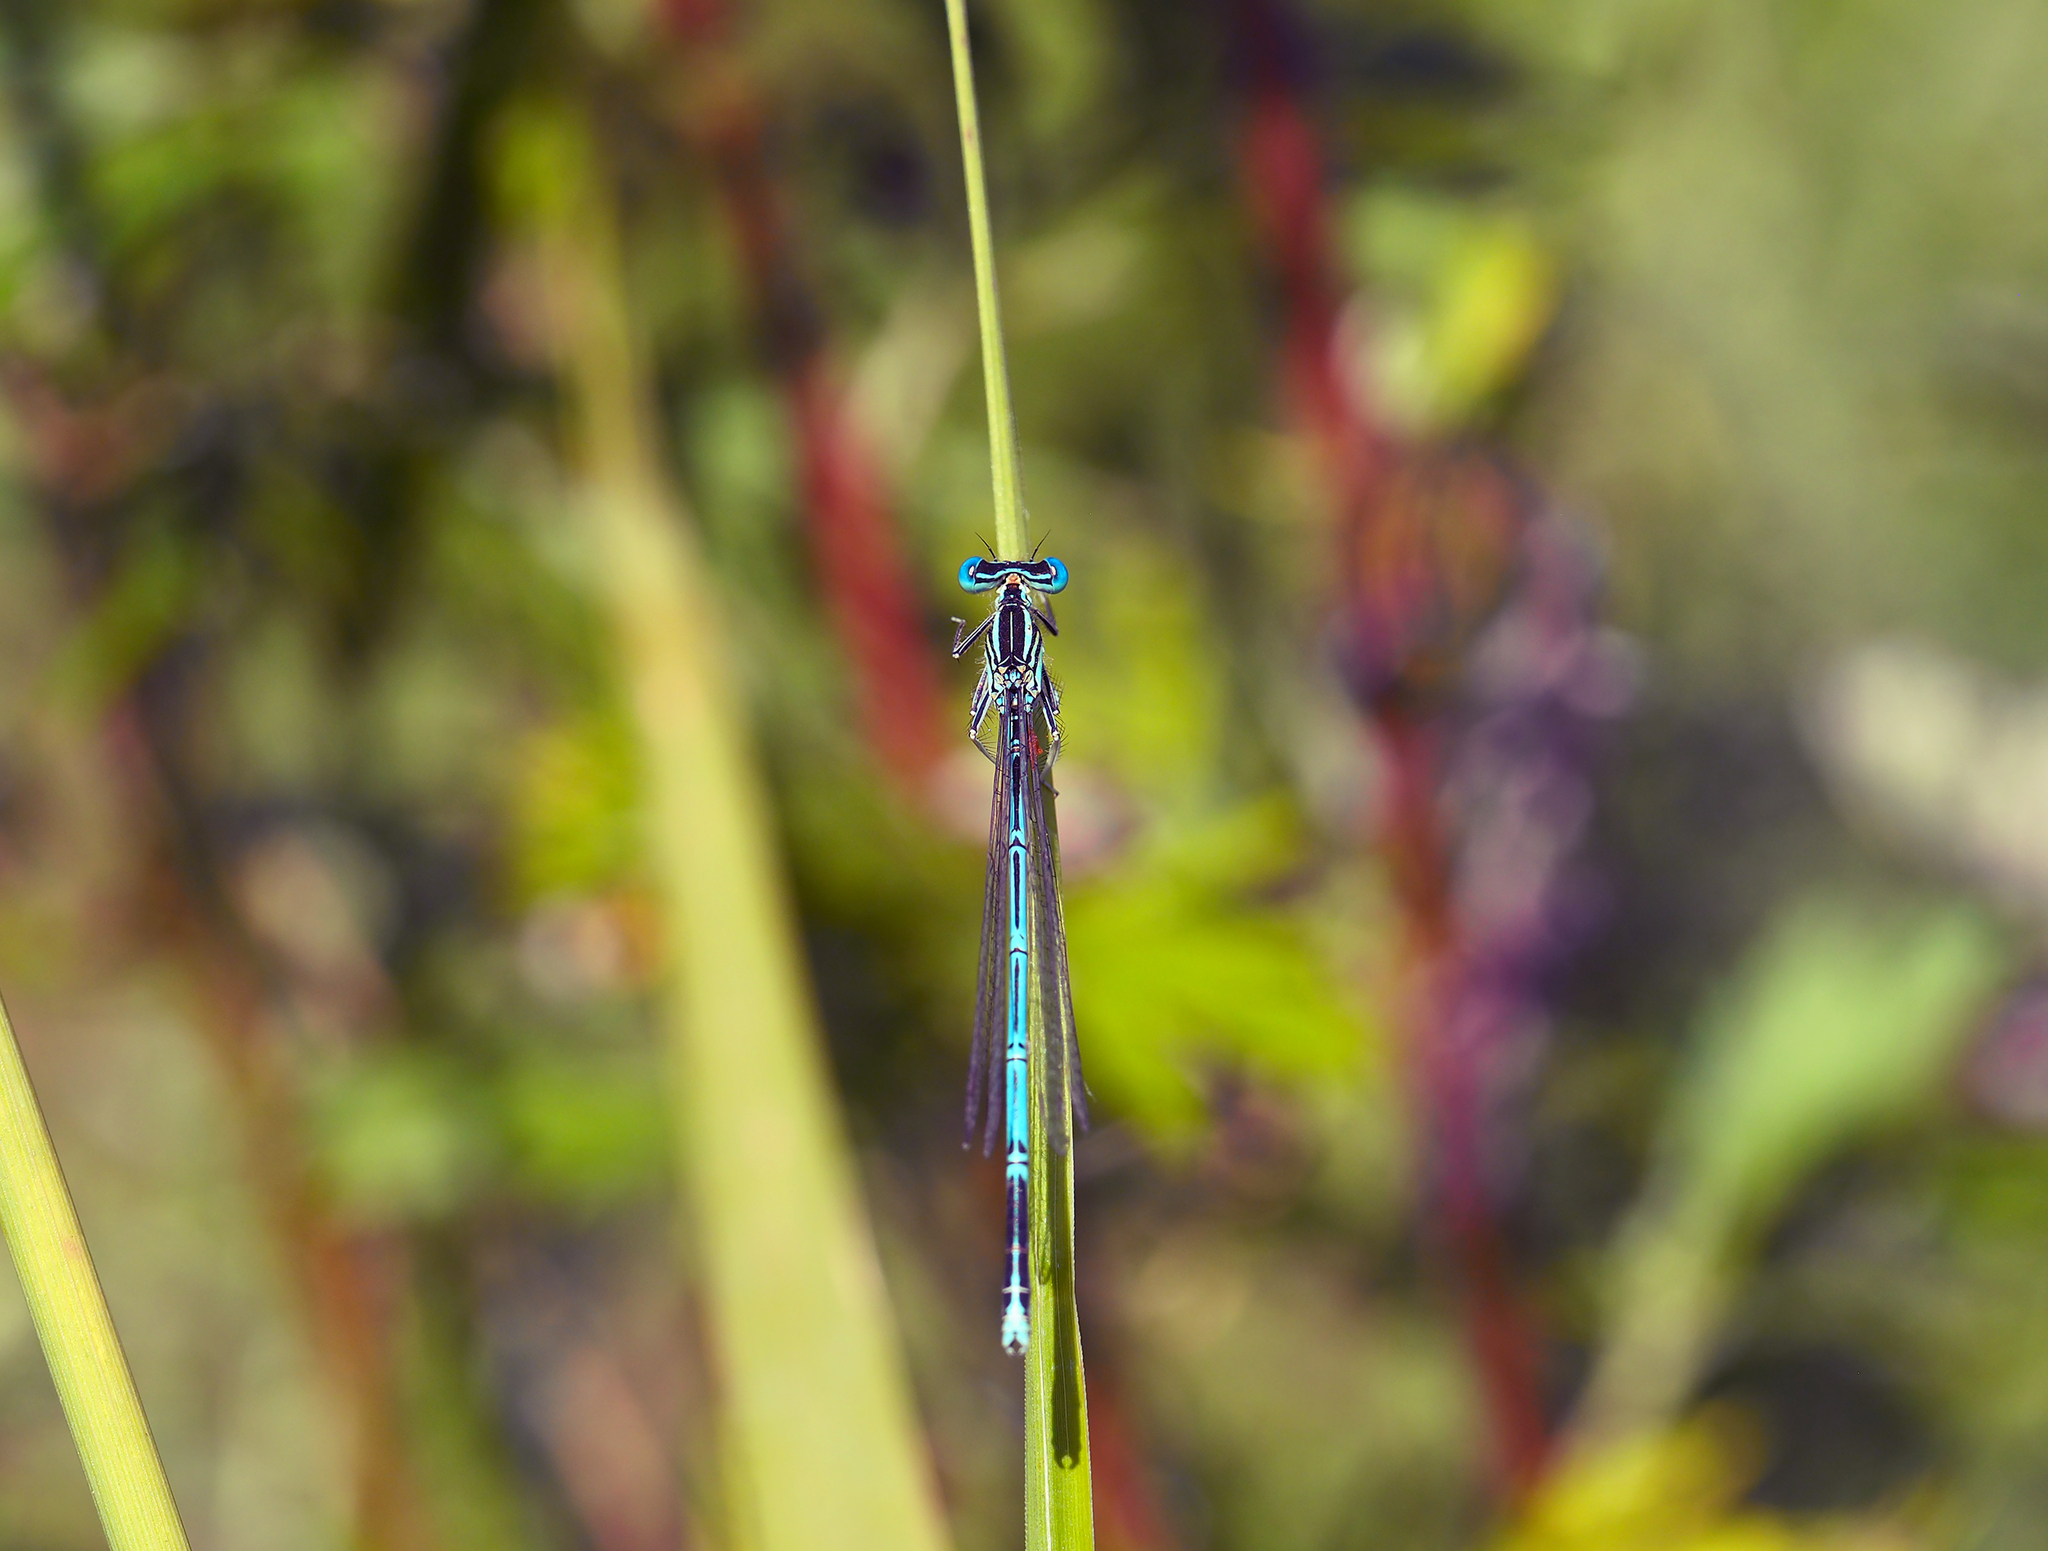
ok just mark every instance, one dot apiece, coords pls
pixel 819 1446
pixel 1059 1508
pixel 71 1318
pixel 1059 1512
pixel 1013 540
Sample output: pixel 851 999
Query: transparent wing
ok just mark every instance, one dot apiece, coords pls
pixel 985 1057
pixel 1062 1095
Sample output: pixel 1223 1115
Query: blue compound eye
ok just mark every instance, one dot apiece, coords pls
pixel 984 575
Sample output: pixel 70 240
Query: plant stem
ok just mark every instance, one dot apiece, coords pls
pixel 1013 539
pixel 818 1438
pixel 77 1332
pixel 1058 1497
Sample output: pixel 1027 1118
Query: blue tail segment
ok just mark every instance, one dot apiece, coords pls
pixel 1017 1287
pixel 1017 1043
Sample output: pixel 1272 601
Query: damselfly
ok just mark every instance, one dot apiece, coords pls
pixel 1022 928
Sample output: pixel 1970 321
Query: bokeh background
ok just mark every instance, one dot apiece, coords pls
pixel 1556 794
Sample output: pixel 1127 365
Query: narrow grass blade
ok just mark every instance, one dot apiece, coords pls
pixel 70 1311
pixel 1012 536
pixel 1059 1510
pixel 819 1446
pixel 1059 1507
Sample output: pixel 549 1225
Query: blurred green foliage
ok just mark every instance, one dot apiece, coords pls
pixel 334 946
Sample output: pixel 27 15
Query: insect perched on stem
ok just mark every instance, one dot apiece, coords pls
pixel 1022 926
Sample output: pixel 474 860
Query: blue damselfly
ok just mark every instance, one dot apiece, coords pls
pixel 1022 928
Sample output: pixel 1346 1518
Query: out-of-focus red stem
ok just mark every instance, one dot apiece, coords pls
pixel 853 537
pixel 1282 168
pixel 1498 1331
pixel 855 546
pixel 1127 1512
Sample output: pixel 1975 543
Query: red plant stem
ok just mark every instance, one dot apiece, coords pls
pixel 1447 1071
pixel 856 549
pixel 1128 1516
pixel 875 610
pixel 1282 168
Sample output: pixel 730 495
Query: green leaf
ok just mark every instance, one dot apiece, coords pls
pixel 1837 1025
pixel 574 801
pixel 401 1137
pixel 1462 297
pixel 584 1131
pixel 135 615
pixel 1171 979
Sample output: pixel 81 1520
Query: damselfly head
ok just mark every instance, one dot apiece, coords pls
pixel 980 575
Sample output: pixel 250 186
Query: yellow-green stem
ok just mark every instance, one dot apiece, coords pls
pixel 1013 540
pixel 1058 1499
pixel 818 1439
pixel 70 1312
